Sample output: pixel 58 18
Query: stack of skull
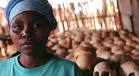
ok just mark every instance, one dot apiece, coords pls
pixel 102 53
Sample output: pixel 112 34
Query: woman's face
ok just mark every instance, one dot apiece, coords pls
pixel 29 32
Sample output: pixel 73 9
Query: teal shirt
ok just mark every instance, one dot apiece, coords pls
pixel 54 67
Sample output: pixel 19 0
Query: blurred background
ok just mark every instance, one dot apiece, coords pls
pixel 72 14
pixel 100 36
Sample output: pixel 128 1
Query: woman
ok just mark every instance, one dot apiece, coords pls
pixel 30 23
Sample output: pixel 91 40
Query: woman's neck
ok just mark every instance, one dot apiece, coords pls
pixel 31 61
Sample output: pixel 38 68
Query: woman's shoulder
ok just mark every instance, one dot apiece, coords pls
pixel 69 67
pixel 63 61
pixel 6 66
pixel 7 62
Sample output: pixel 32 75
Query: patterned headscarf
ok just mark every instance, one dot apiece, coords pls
pixel 43 7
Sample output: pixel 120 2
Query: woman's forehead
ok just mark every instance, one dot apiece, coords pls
pixel 30 15
pixel 33 14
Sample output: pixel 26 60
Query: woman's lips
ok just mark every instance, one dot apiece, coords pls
pixel 27 44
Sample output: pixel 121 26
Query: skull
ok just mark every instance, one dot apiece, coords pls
pixel 129 68
pixel 104 69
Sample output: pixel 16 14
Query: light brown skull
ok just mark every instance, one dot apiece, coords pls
pixel 129 68
pixel 104 69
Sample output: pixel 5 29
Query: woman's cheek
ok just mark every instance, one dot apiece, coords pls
pixel 15 39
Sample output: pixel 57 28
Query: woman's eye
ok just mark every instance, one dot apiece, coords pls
pixel 17 28
pixel 36 25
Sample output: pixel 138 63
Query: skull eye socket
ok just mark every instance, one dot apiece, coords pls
pixel 105 74
pixel 96 74
pixel 132 74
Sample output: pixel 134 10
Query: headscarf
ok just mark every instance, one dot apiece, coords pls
pixel 43 7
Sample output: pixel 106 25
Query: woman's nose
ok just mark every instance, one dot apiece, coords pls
pixel 26 32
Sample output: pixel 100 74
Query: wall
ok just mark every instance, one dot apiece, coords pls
pixel 136 15
pixel 126 12
pixel 129 10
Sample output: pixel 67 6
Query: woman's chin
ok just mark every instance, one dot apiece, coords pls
pixel 26 50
